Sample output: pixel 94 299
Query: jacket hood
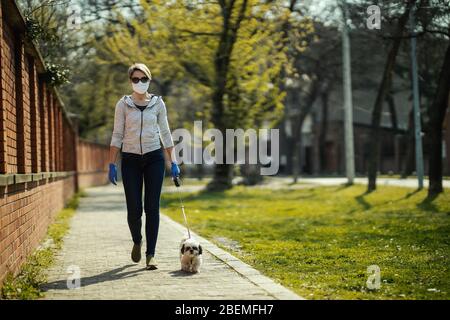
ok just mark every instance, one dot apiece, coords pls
pixel 129 101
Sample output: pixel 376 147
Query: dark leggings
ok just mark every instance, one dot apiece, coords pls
pixel 136 169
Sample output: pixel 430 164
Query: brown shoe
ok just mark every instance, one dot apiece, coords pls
pixel 151 263
pixel 136 252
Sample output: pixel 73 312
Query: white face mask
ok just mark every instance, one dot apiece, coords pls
pixel 140 87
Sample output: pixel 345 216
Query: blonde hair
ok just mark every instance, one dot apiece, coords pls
pixel 141 67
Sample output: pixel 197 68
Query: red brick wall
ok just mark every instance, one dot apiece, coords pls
pixel 92 172
pixel 51 131
pixel 8 72
pixel 22 107
pixel 27 209
pixel 3 96
pixel 35 132
pixel 44 124
pixel 36 137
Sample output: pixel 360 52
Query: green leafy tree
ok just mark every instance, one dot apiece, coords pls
pixel 229 51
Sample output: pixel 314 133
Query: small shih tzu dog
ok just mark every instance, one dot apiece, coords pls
pixel 191 255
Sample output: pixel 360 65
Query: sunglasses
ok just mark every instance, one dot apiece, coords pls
pixel 143 79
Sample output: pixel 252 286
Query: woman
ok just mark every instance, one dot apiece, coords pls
pixel 140 120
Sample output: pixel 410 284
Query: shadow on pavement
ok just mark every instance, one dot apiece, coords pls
pixel 181 273
pixel 111 275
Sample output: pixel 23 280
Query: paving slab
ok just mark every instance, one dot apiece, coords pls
pixel 97 248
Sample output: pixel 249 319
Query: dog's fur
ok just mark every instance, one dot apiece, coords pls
pixel 190 255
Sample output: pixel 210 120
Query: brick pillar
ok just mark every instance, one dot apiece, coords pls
pixel 58 135
pixel 34 118
pixel 22 107
pixel 61 139
pixel 75 152
pixel 26 115
pixel 66 131
pixel 2 109
pixel 56 131
pixel 43 115
pixel 20 123
pixel 51 132
pixel 55 134
pixel 8 102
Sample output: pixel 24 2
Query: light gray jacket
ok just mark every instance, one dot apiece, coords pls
pixel 139 131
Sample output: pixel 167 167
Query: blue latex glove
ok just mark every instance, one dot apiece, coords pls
pixel 112 173
pixel 175 170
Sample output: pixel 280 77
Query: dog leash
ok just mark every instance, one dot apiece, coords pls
pixel 177 183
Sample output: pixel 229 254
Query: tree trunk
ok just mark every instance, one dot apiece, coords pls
pixel 223 173
pixel 385 85
pixel 436 114
pixel 285 27
pixel 392 110
pixel 296 156
pixel 200 171
pixel 222 178
pixel 251 174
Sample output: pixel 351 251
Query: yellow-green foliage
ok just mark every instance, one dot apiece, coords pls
pixel 180 42
pixel 320 241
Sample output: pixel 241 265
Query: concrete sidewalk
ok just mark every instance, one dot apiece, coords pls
pixel 407 183
pixel 98 245
pixel 286 182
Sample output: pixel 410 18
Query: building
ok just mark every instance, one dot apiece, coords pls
pixel 323 135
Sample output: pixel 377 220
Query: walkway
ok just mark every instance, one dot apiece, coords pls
pixel 407 183
pixel 99 245
pixel 286 182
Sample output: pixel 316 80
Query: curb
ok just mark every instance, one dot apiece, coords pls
pixel 254 276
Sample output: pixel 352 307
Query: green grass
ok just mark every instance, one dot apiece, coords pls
pixel 319 241
pixel 26 285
